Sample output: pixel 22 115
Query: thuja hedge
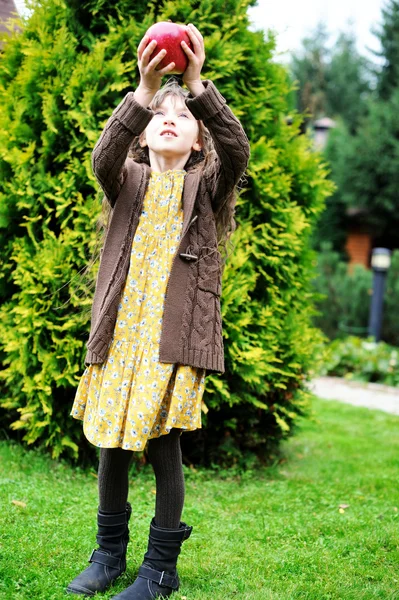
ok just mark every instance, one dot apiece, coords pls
pixel 60 79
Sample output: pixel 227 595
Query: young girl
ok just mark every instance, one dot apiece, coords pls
pixel 156 320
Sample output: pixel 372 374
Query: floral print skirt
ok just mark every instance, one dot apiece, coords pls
pixel 132 397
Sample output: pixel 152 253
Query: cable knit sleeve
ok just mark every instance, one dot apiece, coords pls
pixel 108 158
pixel 229 138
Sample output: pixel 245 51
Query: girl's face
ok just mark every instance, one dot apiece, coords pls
pixel 174 117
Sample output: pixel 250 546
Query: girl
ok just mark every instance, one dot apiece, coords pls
pixel 156 320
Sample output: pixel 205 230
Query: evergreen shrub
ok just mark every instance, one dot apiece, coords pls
pixel 360 359
pixel 343 294
pixel 344 297
pixel 60 80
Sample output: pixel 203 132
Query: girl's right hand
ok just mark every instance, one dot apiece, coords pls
pixel 149 77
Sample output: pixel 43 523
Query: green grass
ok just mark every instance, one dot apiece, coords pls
pixel 272 534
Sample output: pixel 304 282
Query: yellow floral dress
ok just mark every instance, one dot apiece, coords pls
pixel 132 397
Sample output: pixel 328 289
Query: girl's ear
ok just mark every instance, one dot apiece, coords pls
pixel 197 146
pixel 142 140
pixel 199 143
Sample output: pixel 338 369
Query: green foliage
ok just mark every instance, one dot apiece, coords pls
pixel 363 360
pixel 349 81
pixel 308 68
pixel 388 80
pixel 364 158
pixel 338 82
pixel 390 322
pixel 60 79
pixel 334 81
pixel 344 297
pixel 368 179
pixel 333 223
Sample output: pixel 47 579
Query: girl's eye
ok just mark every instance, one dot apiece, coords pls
pixel 160 112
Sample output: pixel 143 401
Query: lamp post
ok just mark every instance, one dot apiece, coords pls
pixel 380 263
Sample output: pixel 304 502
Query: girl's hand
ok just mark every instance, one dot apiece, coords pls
pixel 192 75
pixel 149 77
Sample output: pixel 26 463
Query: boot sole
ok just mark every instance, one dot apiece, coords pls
pixel 81 591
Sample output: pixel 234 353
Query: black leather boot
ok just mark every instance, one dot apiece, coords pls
pixel 158 576
pixel 109 560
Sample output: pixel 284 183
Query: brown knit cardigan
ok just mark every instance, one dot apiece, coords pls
pixel 191 324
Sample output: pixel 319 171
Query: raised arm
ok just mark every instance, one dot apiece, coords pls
pixel 229 138
pixel 208 105
pixel 108 158
pixel 128 120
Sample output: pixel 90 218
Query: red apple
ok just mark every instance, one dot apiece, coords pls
pixel 169 37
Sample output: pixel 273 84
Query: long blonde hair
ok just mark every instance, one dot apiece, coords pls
pixel 225 221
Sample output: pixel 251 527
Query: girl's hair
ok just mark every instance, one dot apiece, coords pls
pixel 225 222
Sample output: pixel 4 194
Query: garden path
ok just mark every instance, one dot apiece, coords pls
pixel 370 395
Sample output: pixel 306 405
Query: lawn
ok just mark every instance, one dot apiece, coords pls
pixel 322 524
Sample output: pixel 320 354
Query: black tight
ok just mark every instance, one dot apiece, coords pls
pixel 113 478
pixel 165 456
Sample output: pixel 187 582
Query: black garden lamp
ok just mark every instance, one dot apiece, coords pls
pixel 380 263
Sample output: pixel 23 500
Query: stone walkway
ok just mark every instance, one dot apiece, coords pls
pixel 370 395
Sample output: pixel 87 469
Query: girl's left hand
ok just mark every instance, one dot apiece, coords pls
pixel 196 59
